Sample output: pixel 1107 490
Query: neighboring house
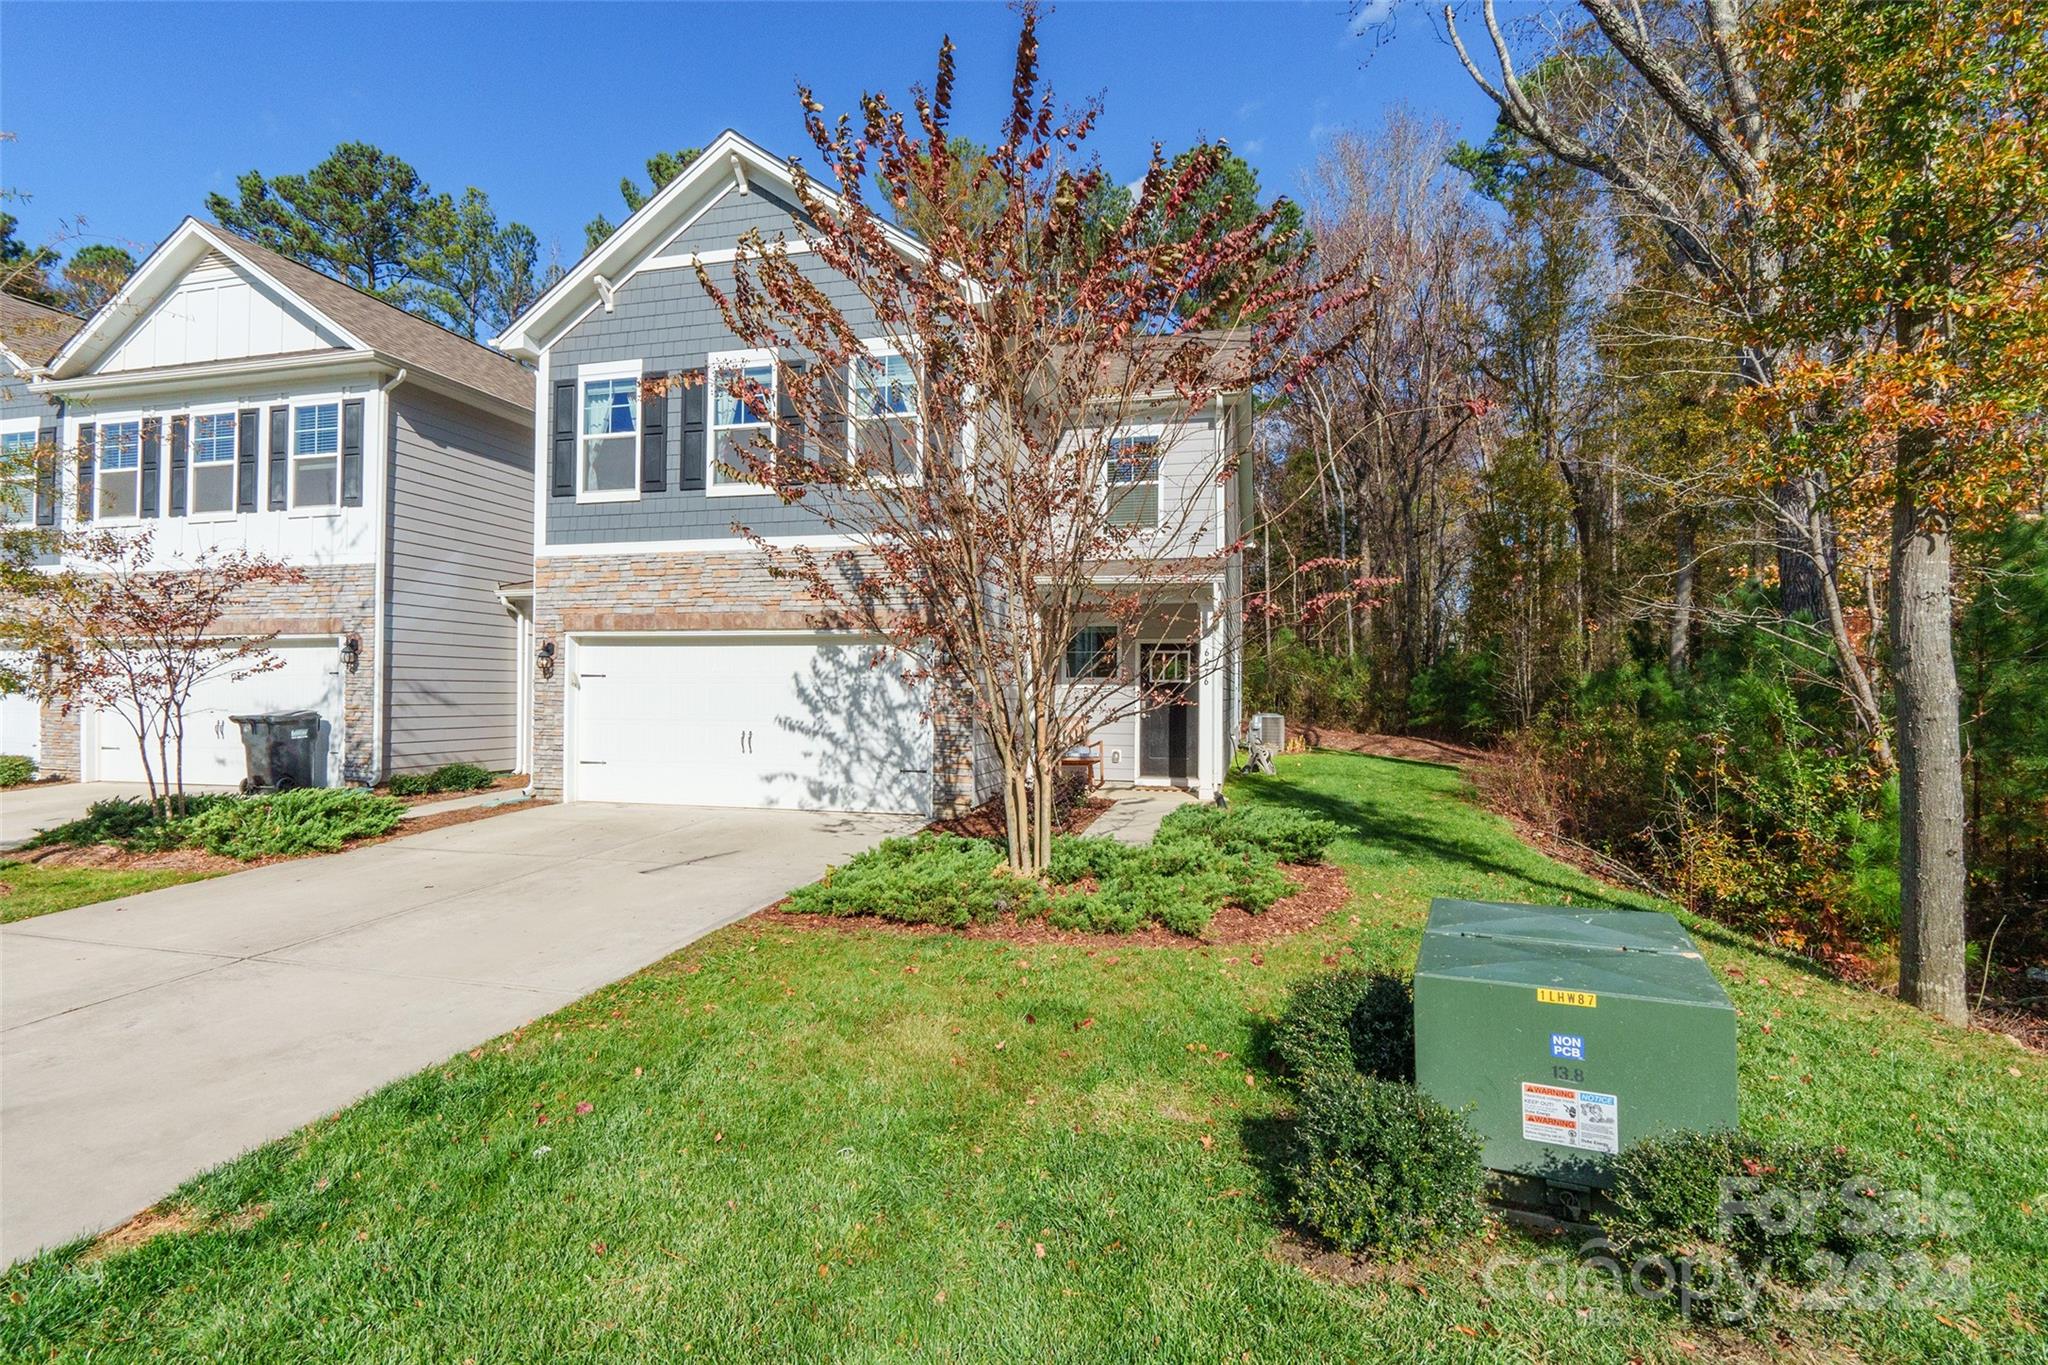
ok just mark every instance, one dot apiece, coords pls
pixel 671 666
pixel 30 334
pixel 230 398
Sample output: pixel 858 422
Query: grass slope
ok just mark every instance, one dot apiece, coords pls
pixel 33 890
pixel 861 1146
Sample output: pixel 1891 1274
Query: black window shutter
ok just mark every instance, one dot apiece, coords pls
pixel 562 452
pixel 352 453
pixel 693 431
pixel 280 454
pixel 85 446
pixel 832 405
pixel 180 427
pixel 46 476
pixel 789 423
pixel 653 436
pixel 152 465
pixel 245 459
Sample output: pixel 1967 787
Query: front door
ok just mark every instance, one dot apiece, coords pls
pixel 1166 727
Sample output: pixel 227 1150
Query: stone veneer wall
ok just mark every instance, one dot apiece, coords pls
pixel 703 591
pixel 334 600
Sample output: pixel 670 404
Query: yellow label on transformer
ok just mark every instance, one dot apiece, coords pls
pixel 1584 999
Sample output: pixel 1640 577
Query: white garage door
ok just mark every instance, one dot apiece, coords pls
pixel 308 679
pixel 21 730
pixel 803 723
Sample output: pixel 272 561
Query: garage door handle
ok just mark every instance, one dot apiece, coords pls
pixel 913 770
pixel 591 762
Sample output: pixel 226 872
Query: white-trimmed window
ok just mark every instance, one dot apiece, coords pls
pixel 210 471
pixel 1131 482
pixel 886 430
pixel 18 475
pixel 1091 654
pixel 117 471
pixel 316 455
pixel 740 427
pixel 608 440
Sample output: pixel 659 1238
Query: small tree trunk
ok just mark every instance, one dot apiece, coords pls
pixel 1931 872
pixel 1680 653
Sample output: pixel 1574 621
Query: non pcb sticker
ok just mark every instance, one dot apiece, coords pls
pixel 1563 1117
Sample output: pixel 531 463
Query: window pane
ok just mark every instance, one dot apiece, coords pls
pixel 121 446
pixel 608 464
pixel 1134 505
pixel 213 487
pixel 729 410
pixel 888 446
pixel 1092 653
pixel 611 406
pixel 317 430
pixel 314 482
pixel 730 452
pixel 117 493
pixel 885 385
pixel 213 438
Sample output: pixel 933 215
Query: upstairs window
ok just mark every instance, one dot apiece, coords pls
pixel 1133 482
pixel 1091 654
pixel 739 426
pixel 17 478
pixel 118 470
pixel 887 430
pixel 212 474
pixel 316 455
pixel 608 464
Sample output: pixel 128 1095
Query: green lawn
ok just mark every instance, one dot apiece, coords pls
pixel 33 890
pixel 860 1146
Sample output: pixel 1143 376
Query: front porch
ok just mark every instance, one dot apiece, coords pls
pixel 1164 695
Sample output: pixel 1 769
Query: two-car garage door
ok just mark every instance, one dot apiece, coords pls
pixel 797 722
pixel 308 678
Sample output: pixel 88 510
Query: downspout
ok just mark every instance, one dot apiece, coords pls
pixel 379 619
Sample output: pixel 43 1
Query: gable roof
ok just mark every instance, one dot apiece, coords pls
pixel 32 333
pixel 366 321
pixel 729 158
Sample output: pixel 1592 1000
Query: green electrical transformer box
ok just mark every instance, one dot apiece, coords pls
pixel 1566 1035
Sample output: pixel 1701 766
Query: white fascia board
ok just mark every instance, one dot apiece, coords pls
pixel 368 364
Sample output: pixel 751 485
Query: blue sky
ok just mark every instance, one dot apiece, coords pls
pixel 546 105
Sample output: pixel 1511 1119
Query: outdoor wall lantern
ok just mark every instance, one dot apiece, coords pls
pixel 544 658
pixel 352 652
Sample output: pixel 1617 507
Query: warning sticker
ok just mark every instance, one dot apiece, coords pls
pixel 1563 1117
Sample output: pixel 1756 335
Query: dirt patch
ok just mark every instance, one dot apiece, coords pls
pixel 986 820
pixel 1414 748
pixel 1320 890
pixel 146 1226
pixel 502 782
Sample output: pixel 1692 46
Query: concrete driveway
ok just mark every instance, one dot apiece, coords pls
pixel 145 1040
pixel 24 810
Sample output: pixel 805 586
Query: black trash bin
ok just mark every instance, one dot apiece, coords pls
pixel 285 749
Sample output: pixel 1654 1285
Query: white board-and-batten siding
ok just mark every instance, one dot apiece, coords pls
pixel 217 313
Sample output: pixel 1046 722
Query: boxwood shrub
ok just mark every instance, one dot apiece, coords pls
pixel 16 769
pixel 1379 1164
pixel 1348 1020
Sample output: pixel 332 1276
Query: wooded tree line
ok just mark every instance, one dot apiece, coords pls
pixel 1697 456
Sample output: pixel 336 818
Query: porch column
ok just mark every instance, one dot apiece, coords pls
pixel 1209 739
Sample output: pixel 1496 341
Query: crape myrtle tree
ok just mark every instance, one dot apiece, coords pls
pixel 964 417
pixel 137 639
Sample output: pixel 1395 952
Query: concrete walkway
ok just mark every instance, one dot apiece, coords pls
pixel 1135 817
pixel 145 1040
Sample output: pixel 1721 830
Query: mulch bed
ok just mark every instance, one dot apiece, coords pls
pixel 1414 748
pixel 986 820
pixel 503 782
pixel 1321 890
pixel 113 857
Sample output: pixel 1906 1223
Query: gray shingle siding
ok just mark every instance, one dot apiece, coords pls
pixel 663 319
pixel 17 402
pixel 461 523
